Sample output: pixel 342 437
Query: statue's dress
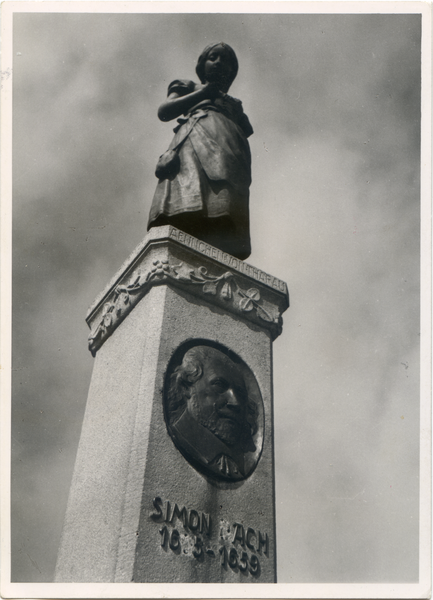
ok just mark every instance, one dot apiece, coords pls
pixel 209 195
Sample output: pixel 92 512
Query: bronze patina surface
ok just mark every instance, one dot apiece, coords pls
pixel 213 417
pixel 205 175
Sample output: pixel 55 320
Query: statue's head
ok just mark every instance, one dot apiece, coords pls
pixel 211 387
pixel 218 64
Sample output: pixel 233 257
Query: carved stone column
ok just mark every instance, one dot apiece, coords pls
pixel 156 496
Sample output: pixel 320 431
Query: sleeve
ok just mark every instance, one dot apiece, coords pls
pixel 180 87
pixel 241 118
pixel 246 125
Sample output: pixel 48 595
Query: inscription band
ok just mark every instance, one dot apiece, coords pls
pixel 227 259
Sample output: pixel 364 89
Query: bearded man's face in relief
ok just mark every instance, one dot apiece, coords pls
pixel 219 402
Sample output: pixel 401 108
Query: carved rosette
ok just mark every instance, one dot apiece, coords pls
pixel 223 289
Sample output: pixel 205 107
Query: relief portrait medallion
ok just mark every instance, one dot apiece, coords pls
pixel 214 411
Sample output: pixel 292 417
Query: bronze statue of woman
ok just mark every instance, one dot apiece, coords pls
pixel 205 175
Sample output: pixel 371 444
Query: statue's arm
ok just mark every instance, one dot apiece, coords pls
pixel 246 125
pixel 177 104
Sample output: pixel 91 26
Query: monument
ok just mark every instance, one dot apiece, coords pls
pixel 205 175
pixel 174 475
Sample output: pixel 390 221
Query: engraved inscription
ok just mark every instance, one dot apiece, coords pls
pixel 251 538
pixel 241 562
pixel 227 259
pixel 187 532
pixel 191 519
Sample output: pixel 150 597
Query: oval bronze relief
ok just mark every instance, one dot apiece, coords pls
pixel 214 411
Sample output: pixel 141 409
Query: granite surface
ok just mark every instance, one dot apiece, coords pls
pixel 168 256
pixel 138 510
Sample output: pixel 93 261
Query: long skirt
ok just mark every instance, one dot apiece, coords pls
pixel 209 196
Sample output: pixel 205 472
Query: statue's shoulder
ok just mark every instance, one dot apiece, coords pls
pixel 232 107
pixel 181 87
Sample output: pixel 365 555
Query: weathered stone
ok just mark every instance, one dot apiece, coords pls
pixel 170 256
pixel 140 509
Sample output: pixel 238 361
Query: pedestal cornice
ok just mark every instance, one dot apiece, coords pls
pixel 168 256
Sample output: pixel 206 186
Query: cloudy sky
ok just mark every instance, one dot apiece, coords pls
pixel 335 105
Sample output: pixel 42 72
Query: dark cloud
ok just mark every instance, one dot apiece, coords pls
pixel 334 101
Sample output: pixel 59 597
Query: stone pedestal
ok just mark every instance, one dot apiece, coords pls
pixel 140 508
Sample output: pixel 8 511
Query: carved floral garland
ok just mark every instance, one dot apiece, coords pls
pixel 225 287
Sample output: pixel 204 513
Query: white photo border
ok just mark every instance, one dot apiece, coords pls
pixel 279 590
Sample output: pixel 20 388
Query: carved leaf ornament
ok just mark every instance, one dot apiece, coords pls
pixel 224 287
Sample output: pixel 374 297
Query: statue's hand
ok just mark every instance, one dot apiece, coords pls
pixel 210 90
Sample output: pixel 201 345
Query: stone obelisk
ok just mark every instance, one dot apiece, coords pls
pixel 150 501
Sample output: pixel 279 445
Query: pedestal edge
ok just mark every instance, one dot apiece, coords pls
pixel 263 306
